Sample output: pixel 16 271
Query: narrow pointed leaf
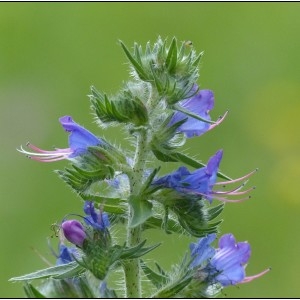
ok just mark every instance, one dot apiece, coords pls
pixel 158 280
pixel 171 59
pixel 215 211
pixel 147 184
pixel 191 114
pixel 31 291
pixel 109 204
pixel 156 223
pixel 136 65
pixel 49 272
pixel 144 251
pixel 171 290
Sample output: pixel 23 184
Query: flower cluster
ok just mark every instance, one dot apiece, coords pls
pixel 158 110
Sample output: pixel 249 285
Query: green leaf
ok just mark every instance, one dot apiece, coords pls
pixel 191 114
pixel 197 60
pixel 77 270
pixel 163 156
pixel 134 252
pixel 174 288
pixel 85 288
pixel 144 251
pixel 157 81
pixel 158 280
pixel 157 223
pixel 142 210
pixel 31 291
pixel 56 271
pixel 109 204
pixel 147 189
pixel 171 59
pixel 215 211
pixel 139 69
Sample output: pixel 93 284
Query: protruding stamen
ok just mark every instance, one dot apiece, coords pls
pixel 219 121
pixel 45 156
pixel 47 159
pixel 250 278
pixel 66 150
pixel 238 179
pixel 224 199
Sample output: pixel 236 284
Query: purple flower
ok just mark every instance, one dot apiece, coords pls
pixel 98 220
pixel 229 260
pixel 74 232
pixel 200 104
pixel 226 264
pixel 202 181
pixel 79 140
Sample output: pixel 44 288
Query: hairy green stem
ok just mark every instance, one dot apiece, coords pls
pixel 132 268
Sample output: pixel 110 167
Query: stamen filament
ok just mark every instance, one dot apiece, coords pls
pixel 219 121
pixel 250 278
pixel 224 199
pixel 45 156
pixel 46 159
pixel 236 180
pixel 233 193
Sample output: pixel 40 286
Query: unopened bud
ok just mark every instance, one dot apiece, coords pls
pixel 74 232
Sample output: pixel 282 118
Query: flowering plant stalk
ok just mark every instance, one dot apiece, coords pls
pixel 159 109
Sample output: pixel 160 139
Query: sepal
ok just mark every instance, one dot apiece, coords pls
pixel 166 139
pixel 98 164
pixel 157 279
pixel 100 257
pixel 169 69
pixel 181 277
pixel 191 211
pixel 126 107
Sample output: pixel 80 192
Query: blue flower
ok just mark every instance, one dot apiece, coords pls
pixel 229 260
pixel 226 264
pixel 202 181
pixel 98 220
pixel 202 250
pixel 201 103
pixel 198 182
pixel 79 140
pixel 66 254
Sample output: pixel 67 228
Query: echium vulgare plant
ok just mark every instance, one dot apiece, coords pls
pixel 159 109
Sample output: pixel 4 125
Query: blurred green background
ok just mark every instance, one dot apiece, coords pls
pixel 50 53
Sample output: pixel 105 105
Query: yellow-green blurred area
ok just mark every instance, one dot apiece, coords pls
pixel 51 53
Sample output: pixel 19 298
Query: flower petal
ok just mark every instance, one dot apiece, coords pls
pixel 202 250
pixel 199 104
pixel 80 138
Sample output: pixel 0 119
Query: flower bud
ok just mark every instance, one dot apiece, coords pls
pixel 74 232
